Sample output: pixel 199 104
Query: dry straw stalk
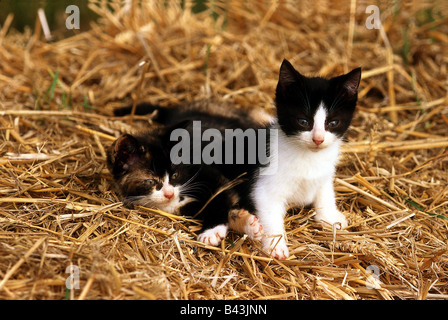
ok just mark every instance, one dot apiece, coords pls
pixel 58 206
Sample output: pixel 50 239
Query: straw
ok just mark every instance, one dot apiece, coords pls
pixel 59 207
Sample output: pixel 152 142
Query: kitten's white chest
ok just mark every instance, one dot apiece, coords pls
pixel 300 172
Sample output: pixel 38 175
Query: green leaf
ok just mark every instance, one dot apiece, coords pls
pixel 417 206
pixel 50 92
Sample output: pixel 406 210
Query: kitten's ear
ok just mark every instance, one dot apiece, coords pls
pixel 287 74
pixel 124 152
pixel 351 82
pixel 289 80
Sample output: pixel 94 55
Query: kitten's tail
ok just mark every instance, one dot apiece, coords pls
pixel 162 114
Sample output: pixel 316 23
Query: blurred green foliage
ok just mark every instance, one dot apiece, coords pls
pixel 25 13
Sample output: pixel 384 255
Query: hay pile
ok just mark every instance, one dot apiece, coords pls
pixel 58 208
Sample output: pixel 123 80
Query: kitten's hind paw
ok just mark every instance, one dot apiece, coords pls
pixel 213 236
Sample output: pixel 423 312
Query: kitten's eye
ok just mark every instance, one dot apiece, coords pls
pixel 333 123
pixel 303 122
pixel 174 175
pixel 150 182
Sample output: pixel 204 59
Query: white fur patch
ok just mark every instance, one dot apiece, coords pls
pixel 214 235
pixel 157 198
pixel 306 139
pixel 318 131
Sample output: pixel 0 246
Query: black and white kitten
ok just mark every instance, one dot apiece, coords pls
pixel 313 115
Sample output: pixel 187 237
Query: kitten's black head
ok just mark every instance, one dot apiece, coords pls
pixel 298 98
pixel 144 174
pixel 139 165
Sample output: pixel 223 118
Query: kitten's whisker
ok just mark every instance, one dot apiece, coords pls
pixel 132 199
pixel 198 186
pixel 191 179
pixel 193 196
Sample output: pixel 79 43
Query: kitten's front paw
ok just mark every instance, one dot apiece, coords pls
pixel 253 228
pixel 213 236
pixel 240 220
pixel 275 247
pixel 332 218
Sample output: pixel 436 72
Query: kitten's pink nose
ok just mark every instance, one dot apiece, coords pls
pixel 168 194
pixel 318 141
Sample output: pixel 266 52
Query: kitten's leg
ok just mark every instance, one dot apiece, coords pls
pixel 274 239
pixel 325 204
pixel 213 236
pixel 215 219
pixel 240 220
